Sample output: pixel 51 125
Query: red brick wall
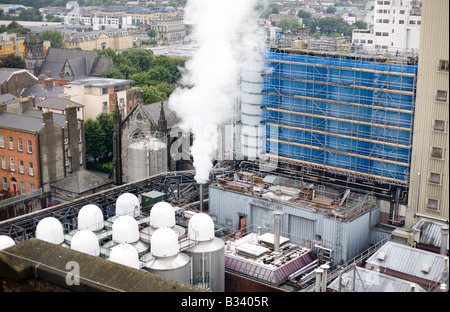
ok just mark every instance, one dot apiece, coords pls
pixel 17 156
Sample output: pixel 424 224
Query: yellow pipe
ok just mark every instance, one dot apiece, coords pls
pixel 341 67
pixel 344 85
pixel 335 168
pixel 341 102
pixel 340 135
pixel 339 119
pixel 339 152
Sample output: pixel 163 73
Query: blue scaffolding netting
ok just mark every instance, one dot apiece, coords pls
pixel 349 115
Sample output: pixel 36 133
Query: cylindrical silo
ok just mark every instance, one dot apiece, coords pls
pixel 208 255
pixel 145 158
pixel 251 101
pixel 167 259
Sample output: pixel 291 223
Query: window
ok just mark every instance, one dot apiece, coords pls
pixel 432 204
pixel 439 125
pixel 30 169
pixel 31 188
pixel 378 34
pixel 79 135
pixel 370 41
pixel 104 90
pixel 385 34
pixel 3 162
pixel 105 106
pixel 434 178
pixel 22 187
pixel 67 163
pixel 442 66
pixel 2 141
pixel 401 22
pixel 385 21
pixel 81 159
pixel 11 143
pixel 21 166
pixel 412 22
pixel 19 144
pixel 29 150
pixel 402 11
pixel 437 152
pixel 11 164
pixel 441 96
pixel 356 41
pixel 5 184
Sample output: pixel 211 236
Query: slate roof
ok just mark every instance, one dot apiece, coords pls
pixel 57 103
pixel 155 108
pixel 6 73
pixel 81 181
pixel 100 82
pixel 21 122
pixel 6 97
pixel 58 119
pixel 38 91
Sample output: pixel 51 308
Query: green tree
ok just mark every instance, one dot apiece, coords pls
pixel 94 138
pixel 152 33
pixel 12 61
pixel 106 122
pixel 55 37
pixel 165 88
pixel 139 58
pixel 303 14
pixel 150 94
pixel 30 15
pixel 331 9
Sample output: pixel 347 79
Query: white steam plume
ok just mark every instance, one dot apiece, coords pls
pixel 225 31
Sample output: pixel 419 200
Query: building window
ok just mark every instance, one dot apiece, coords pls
pixel 19 144
pixel 81 159
pixel 29 150
pixel 11 164
pixel 105 106
pixel 30 169
pixel 402 11
pixel 31 188
pixel 434 178
pixel 2 141
pixel 79 135
pixel 385 21
pixel 441 95
pixel 437 152
pixel 370 41
pixel 385 34
pixel 432 204
pixel 21 166
pixel 401 22
pixel 22 187
pixel 11 143
pixel 439 125
pixel 442 66
pixel 378 34
pixel 412 22
pixel 3 162
pixel 5 184
pixel 104 90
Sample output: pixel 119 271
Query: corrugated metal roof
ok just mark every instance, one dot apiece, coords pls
pixel 430 232
pixel 410 261
pixel 372 281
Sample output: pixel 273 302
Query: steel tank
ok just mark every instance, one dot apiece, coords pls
pixel 146 158
pixel 207 255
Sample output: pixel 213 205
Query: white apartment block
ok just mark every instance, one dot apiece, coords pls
pixel 396 28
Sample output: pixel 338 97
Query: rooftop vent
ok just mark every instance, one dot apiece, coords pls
pixel 425 268
pixel 381 256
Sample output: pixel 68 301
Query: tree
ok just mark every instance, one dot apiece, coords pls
pixel 94 138
pixel 55 37
pixel 303 14
pixel 30 15
pixel 151 95
pixel 106 122
pixel 12 61
pixel 152 33
pixel 331 9
pixel 164 87
pixel 140 58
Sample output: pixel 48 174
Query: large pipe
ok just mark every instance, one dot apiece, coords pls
pixel 417 194
pixel 444 240
pixel 201 197
pixel 277 225
pixel 325 268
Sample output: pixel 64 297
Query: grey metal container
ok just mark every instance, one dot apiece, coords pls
pixel 175 268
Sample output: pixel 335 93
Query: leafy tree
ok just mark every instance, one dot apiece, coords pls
pixel 106 122
pixel 139 57
pixel 30 15
pixel 331 9
pixel 303 14
pixel 152 33
pixel 12 61
pixel 165 88
pixel 55 37
pixel 94 138
pixel 150 94
pixel 112 73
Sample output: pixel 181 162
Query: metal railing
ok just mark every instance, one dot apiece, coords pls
pixel 20 198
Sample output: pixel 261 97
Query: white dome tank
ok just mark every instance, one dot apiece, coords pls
pixel 6 242
pixel 164 243
pixel 167 259
pixel 208 255
pixel 125 229
pixel 201 228
pixel 87 242
pixel 162 215
pixel 128 204
pixel 90 217
pixel 50 230
pixel 125 254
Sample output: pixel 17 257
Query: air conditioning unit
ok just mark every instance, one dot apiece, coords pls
pixel 405 236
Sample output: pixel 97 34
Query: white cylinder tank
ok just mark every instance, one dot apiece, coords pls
pixel 162 215
pixel 208 255
pixel 90 217
pixel 146 158
pixel 6 242
pixel 167 260
pixel 87 242
pixel 251 101
pixel 125 254
pixel 50 230
pixel 128 204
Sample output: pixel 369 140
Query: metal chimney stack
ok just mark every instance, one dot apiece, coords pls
pixel 201 197
pixel 444 232
pixel 277 228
